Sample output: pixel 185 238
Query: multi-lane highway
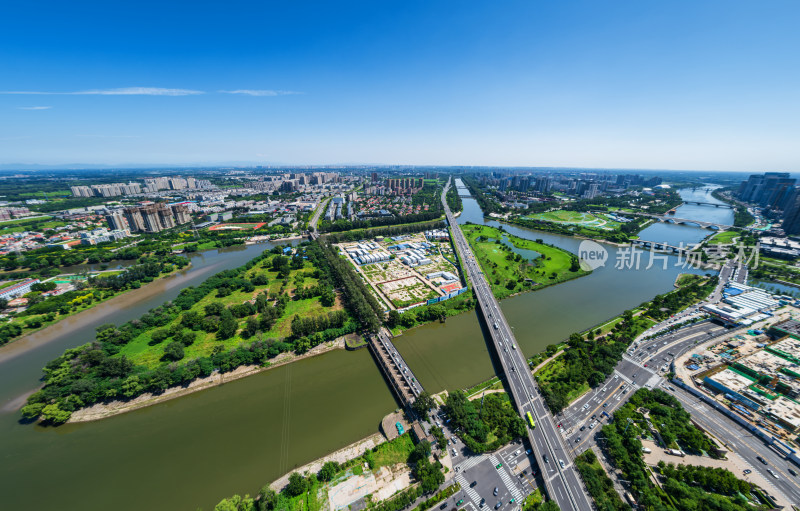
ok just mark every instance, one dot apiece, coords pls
pixel 561 479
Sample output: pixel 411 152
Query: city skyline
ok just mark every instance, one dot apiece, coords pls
pixel 703 87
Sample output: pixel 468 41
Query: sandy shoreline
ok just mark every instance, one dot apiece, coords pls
pixel 110 409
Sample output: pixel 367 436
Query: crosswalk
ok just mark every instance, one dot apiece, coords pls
pixel 471 493
pixel 507 480
pixel 471 462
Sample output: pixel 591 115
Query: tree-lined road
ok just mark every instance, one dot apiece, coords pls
pixel 562 482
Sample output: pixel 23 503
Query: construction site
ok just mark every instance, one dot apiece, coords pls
pixel 406 271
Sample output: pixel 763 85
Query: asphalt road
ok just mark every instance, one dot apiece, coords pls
pixel 561 479
pixel 740 440
pixel 629 374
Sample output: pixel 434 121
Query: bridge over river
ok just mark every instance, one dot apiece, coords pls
pixel 561 479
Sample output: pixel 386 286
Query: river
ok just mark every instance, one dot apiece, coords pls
pixel 192 451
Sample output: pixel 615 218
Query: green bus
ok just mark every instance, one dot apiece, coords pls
pixel 530 420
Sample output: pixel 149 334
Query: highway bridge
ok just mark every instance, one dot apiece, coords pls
pixel 557 469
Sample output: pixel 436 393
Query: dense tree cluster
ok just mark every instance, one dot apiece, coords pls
pixel 663 306
pixel 497 416
pixel 360 302
pixel 600 486
pixel 348 225
pixel 453 199
pixel 394 230
pixel 682 488
pixel 586 361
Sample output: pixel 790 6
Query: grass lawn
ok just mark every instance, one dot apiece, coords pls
pixel 139 350
pixel 577 218
pixel 506 273
pixel 724 238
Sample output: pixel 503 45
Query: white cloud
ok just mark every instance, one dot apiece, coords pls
pixel 123 91
pixel 34 107
pixel 258 92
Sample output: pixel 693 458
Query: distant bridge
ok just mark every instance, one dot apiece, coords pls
pixel 685 221
pixel 664 247
pixel 700 203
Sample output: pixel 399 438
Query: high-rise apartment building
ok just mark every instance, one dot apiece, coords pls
pixel 116 221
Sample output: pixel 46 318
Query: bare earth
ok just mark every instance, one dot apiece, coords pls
pixel 104 410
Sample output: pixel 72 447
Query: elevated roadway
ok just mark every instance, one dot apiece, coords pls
pixel 561 479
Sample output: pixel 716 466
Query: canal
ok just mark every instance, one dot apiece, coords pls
pixel 192 451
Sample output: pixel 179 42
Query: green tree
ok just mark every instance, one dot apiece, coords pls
pixel 328 471
pixel 227 325
pixel 297 485
pixel 52 414
pixel 173 351
pixel 423 403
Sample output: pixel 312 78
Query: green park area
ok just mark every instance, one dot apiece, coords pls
pixel 244 316
pixel 512 264
pixel 724 238
pixel 588 359
pixel 148 348
pixel 583 219
pixel 665 486
pixel 487 425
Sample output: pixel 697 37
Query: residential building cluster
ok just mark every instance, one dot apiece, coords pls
pixel 151 185
pixel 777 194
pixel 584 185
pixel 152 217
pixel 14 212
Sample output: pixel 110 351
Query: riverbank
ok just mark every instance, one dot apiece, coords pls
pixel 117 407
pixel 80 309
pixel 340 456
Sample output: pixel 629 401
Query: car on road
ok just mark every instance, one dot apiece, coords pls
pixel 497 506
pixel 444 505
pixel 762 460
pixel 496 490
pixel 499 466
pixel 472 484
pixel 483 501
pixel 791 471
pixel 772 473
pixel 578 440
pixel 582 428
pixel 545 459
pixel 561 462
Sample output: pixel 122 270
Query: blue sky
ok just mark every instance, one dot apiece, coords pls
pixel 637 84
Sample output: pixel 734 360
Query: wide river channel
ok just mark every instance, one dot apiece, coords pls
pixel 190 452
